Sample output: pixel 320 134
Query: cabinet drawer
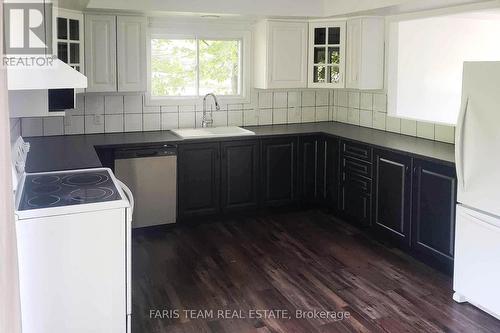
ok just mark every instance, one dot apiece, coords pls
pixel 362 183
pixel 354 166
pixel 357 150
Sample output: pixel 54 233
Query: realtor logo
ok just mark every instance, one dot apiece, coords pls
pixel 27 28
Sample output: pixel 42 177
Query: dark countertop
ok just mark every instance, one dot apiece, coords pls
pixel 54 153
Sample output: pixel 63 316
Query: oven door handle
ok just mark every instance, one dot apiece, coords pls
pixel 129 195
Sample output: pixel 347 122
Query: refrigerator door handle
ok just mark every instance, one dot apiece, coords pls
pixel 459 147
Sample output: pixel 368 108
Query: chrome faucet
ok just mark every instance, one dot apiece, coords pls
pixel 208 121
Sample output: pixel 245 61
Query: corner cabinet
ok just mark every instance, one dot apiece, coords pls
pixel 327 55
pixel 280 54
pixel 115 53
pixel 365 53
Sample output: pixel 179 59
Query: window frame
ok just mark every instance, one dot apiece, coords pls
pixel 211 34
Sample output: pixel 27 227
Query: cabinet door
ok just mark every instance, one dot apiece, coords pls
pixel 279 174
pixel 131 56
pixel 365 53
pixel 240 169
pixel 392 196
pixel 287 55
pixel 199 175
pixel 331 173
pixel 68 37
pixel 327 54
pixel 433 220
pixel 355 199
pixel 100 52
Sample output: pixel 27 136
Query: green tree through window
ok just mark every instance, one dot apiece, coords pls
pixel 192 67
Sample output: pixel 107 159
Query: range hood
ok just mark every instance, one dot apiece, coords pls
pixel 56 76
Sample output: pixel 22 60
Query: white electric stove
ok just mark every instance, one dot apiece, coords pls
pixel 74 247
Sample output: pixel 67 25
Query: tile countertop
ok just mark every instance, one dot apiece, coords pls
pixel 54 153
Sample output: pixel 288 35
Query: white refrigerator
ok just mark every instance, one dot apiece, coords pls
pixel 476 277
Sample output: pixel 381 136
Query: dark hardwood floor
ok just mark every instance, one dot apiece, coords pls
pixel 293 261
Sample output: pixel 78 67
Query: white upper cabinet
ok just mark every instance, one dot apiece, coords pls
pixel 365 53
pixel 327 40
pixel 100 52
pixel 115 53
pixel 280 54
pixel 68 38
pixel 131 55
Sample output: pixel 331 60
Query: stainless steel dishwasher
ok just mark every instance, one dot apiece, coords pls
pixel 151 174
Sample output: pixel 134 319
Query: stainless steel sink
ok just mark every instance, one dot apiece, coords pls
pixel 211 132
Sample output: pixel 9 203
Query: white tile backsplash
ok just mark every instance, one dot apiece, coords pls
pixel 75 125
pixel 408 127
pixel 250 117
pixel 380 102
pixel 366 101
pixel 322 97
pixel 113 123
pixel 365 118
pixel 187 119
pixel 94 104
pixel 265 100
pixel 94 124
pixel 322 113
pixel 133 122
pixel 425 130
pixel 32 127
pixel 354 99
pixel 353 116
pixel 308 98
pixel 113 104
pixel 151 121
pixel 393 124
pixel 280 100
pixel 308 114
pixel 265 116
pixel 444 133
pixel 265 107
pixel 280 116
pixel 53 126
pixel 132 103
pixel 235 118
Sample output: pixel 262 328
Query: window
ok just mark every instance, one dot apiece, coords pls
pixel 426 59
pixel 193 67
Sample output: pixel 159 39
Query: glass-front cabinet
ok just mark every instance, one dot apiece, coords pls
pixel 69 38
pixel 327 54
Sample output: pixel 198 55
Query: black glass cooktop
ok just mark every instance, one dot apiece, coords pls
pixel 64 189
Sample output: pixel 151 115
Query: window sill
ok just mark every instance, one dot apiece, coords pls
pixel 172 101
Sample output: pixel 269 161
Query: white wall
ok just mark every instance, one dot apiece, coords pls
pixel 300 8
pixel 426 59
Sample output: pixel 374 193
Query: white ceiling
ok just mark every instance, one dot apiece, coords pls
pixel 264 8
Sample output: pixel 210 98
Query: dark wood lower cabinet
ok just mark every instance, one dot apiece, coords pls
pixel 355 199
pixel 310 169
pixel 408 201
pixel 330 179
pixel 279 171
pixel 392 196
pixel 433 218
pixel 198 168
pixel 240 175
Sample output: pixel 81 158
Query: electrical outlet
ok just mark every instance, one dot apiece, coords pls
pixel 97 119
